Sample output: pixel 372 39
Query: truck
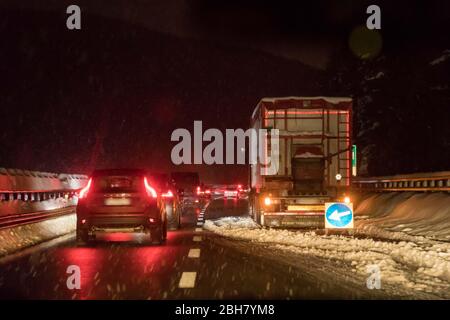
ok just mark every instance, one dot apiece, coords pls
pixel 314 160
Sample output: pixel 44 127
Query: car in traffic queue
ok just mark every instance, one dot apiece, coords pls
pixel 120 200
pixel 171 198
pixel 187 185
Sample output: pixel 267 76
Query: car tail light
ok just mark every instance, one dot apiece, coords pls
pixel 83 192
pixel 151 220
pixel 150 191
pixel 208 191
pixel 198 190
pixel 168 194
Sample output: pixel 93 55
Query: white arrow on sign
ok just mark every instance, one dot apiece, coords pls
pixel 336 215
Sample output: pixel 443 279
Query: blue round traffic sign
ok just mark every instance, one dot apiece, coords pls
pixel 339 215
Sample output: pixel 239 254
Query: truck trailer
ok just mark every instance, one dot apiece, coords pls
pixel 314 160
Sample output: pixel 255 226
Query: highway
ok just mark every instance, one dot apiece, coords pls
pixel 193 264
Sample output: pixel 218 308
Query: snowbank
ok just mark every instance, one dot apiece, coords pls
pixel 14 239
pixel 419 266
pixel 402 214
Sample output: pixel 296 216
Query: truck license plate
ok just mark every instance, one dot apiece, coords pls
pixel 306 208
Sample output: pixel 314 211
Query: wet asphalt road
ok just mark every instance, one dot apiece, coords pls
pixel 119 267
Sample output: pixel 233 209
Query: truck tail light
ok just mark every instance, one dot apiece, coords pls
pixel 168 194
pixel 267 201
pixel 149 189
pixel 83 192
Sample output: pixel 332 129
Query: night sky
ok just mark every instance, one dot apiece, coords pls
pixel 111 94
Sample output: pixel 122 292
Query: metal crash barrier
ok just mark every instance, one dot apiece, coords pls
pixel 30 186
pixel 420 182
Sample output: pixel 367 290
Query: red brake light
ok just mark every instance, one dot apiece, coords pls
pixel 83 192
pixel 150 191
pixel 168 194
pixel 208 191
pixel 198 190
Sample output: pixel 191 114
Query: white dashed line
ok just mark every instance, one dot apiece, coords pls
pixel 197 238
pixel 187 280
pixel 194 253
pixel 199 223
pixel 198 230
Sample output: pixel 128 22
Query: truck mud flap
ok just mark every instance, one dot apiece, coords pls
pixel 293 221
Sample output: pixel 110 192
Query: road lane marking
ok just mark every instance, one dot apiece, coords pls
pixel 197 238
pixel 187 280
pixel 198 229
pixel 199 223
pixel 194 253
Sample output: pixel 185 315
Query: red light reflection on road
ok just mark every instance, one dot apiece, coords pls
pixel 88 260
pixel 118 263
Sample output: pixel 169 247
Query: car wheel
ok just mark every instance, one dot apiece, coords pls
pixel 82 237
pixel 174 219
pixel 157 236
pixel 165 230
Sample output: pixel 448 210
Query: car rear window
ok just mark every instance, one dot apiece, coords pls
pixel 113 184
pixel 160 181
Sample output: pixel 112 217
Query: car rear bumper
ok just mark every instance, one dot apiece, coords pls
pixel 118 222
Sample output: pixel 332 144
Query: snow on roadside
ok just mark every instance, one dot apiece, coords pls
pixel 405 216
pixel 442 58
pixel 422 267
pixel 17 238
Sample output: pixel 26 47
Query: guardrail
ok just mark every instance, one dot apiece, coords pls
pixel 420 182
pixel 25 185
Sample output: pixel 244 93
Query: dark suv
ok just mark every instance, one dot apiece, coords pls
pixel 120 200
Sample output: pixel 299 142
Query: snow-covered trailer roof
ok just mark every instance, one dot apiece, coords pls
pixel 333 103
